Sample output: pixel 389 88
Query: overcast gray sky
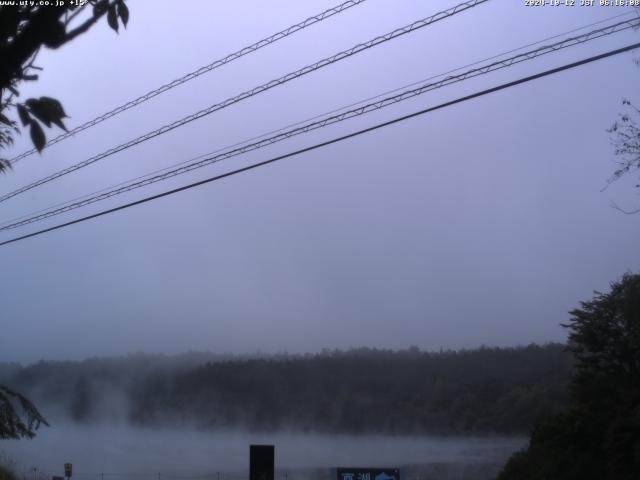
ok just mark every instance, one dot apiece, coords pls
pixel 483 223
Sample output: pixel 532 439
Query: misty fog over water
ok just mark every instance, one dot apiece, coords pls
pixel 433 415
pixel 404 277
pixel 120 451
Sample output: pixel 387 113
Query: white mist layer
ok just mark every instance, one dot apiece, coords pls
pixel 119 451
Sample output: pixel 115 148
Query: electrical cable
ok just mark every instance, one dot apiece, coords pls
pixel 148 180
pixel 332 141
pixel 255 91
pixel 315 117
pixel 196 73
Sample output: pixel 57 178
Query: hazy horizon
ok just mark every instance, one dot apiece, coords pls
pixel 223 355
pixel 482 223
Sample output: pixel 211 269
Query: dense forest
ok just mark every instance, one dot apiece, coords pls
pixel 597 436
pixel 484 391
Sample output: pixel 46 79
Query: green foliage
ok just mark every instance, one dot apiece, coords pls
pixel 18 416
pixel 598 436
pixel 364 390
pixel 24 30
pixel 47 110
pixel 8 128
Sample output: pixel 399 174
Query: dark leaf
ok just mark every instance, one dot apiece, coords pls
pixel 38 111
pixel 54 105
pixel 123 12
pixel 5 165
pixel 6 121
pixel 23 114
pixel 99 7
pixel 37 136
pixel 112 18
pixel 18 422
pixel 48 110
pixel 54 33
pixel 59 123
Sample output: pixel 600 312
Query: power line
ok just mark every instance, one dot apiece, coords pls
pixel 332 141
pixel 196 73
pixel 71 205
pixel 300 122
pixel 255 91
pixel 315 117
pixel 148 180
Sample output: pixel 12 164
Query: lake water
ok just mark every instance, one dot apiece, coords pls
pixel 118 452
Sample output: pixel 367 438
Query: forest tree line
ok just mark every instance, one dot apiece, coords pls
pixel 597 436
pixel 486 390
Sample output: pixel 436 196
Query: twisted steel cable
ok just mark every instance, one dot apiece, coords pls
pixel 255 91
pixel 324 114
pixel 370 107
pixel 342 138
pixel 196 73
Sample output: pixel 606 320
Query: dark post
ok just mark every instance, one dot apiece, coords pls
pixel 261 462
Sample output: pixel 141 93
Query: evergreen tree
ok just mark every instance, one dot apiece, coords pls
pixel 598 437
pixel 18 416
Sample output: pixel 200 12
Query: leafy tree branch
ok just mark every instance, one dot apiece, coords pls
pixel 19 418
pixel 24 30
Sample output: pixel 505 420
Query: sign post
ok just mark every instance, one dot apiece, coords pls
pixel 261 462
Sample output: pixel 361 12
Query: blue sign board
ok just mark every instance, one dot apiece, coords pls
pixel 368 474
